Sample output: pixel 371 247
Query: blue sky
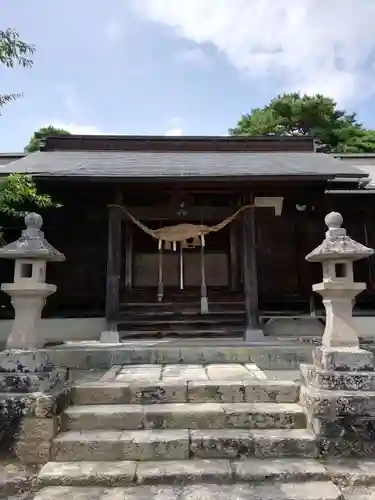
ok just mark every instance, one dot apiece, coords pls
pixel 173 67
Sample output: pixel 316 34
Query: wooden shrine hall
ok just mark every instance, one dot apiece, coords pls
pixel 187 236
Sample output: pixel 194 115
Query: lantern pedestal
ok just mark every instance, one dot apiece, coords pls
pixel 338 302
pixel 28 300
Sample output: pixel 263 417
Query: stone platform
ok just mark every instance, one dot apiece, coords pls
pixel 268 355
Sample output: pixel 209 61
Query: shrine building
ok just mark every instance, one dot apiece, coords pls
pixel 190 237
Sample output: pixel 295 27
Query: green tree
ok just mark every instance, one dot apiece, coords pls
pixel 13 52
pixel 316 116
pixel 19 195
pixel 40 135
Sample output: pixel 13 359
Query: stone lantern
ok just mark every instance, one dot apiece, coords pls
pixel 337 388
pixel 337 254
pixel 29 291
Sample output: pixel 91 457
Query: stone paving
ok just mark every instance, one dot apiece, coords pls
pixel 188 372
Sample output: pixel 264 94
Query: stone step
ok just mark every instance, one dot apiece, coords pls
pixel 182 444
pixel 123 473
pixel 314 490
pixel 268 355
pixel 232 391
pixel 185 416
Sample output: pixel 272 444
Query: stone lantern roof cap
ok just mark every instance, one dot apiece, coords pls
pixel 337 244
pixel 32 244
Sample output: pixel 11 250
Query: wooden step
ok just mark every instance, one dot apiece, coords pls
pixel 161 333
pixel 195 322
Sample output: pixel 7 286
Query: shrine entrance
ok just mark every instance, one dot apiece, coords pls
pixel 179 271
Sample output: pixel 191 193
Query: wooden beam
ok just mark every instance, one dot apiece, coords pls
pixel 203 213
pixel 253 330
pixel 113 267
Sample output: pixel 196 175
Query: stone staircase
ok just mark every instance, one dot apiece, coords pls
pixel 185 431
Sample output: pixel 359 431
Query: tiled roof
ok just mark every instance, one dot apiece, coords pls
pixel 141 164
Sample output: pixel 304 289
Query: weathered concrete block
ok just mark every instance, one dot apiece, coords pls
pixel 221 443
pixel 87 446
pixel 33 451
pixel 228 391
pixel 284 443
pixel 351 471
pixel 87 473
pixel 283 469
pixel 319 402
pixel 166 391
pixel 182 472
pixel 272 391
pixel 228 372
pixel 182 373
pixel 314 490
pixel 133 356
pixel 333 380
pixel 103 417
pixel 140 373
pixel 264 416
pixel 16 478
pixel 24 361
pixel 39 428
pixel 98 393
pixel 22 382
pixel 184 416
pixel 350 359
pixel 155 445
pixel 346 448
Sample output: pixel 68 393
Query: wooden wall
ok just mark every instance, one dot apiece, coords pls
pixel 79 230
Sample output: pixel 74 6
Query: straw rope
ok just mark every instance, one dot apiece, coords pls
pixel 189 235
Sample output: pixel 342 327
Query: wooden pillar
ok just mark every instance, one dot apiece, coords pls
pixel 113 271
pixel 233 250
pixel 253 330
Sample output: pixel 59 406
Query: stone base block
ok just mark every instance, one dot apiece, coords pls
pixel 347 428
pixel 24 361
pixel 335 404
pixel 33 451
pixel 333 380
pixel 341 447
pixel 110 337
pixel 21 382
pixel 349 359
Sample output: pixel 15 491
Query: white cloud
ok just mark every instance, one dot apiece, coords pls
pixel 73 128
pixel 195 57
pixel 310 45
pixel 174 131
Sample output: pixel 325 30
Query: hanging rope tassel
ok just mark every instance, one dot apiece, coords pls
pixel 196 241
pixel 204 299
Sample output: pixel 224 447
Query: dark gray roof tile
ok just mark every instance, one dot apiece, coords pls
pixel 133 164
